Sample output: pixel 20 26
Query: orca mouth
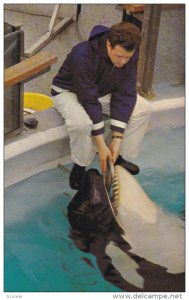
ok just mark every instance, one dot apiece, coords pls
pixel 115 199
pixel 102 192
pixel 112 185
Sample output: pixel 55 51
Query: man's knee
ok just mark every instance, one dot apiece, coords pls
pixel 147 108
pixel 80 125
pixel 142 107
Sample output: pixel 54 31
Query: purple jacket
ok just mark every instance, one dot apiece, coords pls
pixel 88 72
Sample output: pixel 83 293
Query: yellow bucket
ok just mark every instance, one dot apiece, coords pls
pixel 37 101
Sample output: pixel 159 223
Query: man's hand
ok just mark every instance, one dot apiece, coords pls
pixel 103 152
pixel 115 145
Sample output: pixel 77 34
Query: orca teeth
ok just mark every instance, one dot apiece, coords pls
pixel 115 187
pixel 116 192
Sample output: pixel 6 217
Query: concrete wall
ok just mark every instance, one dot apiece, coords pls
pixel 93 14
pixel 66 10
pixel 170 56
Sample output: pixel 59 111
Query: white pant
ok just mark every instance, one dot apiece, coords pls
pixel 79 126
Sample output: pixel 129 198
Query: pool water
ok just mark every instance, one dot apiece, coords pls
pixel 39 254
pixel 162 164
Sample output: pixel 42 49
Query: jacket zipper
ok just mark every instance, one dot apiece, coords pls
pixel 108 76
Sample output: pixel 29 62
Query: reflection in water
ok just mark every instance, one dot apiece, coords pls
pixel 95 230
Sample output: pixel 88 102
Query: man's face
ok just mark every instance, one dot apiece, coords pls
pixel 118 55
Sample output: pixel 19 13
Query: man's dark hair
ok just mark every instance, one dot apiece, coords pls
pixel 126 35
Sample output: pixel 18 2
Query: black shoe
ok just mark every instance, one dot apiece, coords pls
pixel 129 166
pixel 76 176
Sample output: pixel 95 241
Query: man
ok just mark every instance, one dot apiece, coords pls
pixel 99 76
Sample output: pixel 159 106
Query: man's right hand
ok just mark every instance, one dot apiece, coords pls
pixel 103 152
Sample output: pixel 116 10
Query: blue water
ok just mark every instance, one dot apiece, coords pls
pixel 40 256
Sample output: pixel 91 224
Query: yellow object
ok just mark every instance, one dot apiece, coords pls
pixel 37 101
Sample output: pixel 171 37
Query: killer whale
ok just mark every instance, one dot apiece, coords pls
pixel 140 247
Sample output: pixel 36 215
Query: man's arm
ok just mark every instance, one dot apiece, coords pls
pixel 87 94
pixel 123 99
pixel 86 89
